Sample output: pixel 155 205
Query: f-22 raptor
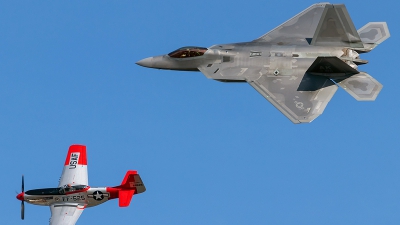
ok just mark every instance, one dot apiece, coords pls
pixel 297 66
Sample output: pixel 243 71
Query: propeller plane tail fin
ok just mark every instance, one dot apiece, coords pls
pixel 131 184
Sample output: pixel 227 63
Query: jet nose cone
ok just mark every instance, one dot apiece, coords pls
pixel 20 196
pixel 147 62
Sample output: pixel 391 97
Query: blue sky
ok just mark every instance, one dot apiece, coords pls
pixel 208 152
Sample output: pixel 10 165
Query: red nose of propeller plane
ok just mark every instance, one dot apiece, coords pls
pixel 20 196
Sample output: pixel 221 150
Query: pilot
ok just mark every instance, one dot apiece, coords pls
pixel 62 190
pixel 184 54
pixel 68 188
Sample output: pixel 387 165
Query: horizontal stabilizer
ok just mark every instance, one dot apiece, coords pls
pixel 330 66
pixel 372 34
pixel 361 86
pixel 125 197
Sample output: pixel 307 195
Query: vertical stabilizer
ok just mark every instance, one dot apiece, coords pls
pixel 336 28
pixel 132 180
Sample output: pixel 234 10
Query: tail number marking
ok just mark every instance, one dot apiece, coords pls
pixel 73 198
pixel 133 184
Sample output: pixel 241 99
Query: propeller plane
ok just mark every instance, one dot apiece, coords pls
pixel 73 195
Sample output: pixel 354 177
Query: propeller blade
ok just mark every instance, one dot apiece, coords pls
pixel 22 210
pixel 23 186
pixel 22 202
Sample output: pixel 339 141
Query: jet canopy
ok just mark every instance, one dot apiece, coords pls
pixel 187 52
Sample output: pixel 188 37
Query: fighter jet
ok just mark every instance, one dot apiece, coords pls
pixel 73 195
pixel 297 66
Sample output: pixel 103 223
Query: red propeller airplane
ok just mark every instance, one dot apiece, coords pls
pixel 73 195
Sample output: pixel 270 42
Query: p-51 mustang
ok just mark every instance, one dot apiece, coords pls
pixel 73 195
pixel 297 66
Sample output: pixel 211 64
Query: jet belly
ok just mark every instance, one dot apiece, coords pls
pixel 250 61
pixel 233 65
pixel 294 61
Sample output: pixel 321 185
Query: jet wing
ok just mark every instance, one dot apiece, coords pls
pixel 65 214
pixel 299 104
pixel 296 29
pixel 321 24
pixel 75 167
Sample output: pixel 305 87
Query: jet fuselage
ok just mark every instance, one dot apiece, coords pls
pixel 275 60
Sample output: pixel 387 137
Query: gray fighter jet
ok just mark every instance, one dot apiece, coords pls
pixel 297 66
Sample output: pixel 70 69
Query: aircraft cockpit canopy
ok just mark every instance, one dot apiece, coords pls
pixel 69 188
pixel 187 52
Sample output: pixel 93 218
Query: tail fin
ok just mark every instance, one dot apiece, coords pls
pixel 372 34
pixel 336 28
pixel 132 184
pixel 330 66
